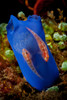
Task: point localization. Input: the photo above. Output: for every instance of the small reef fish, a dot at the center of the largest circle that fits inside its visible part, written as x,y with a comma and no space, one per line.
41,45
27,57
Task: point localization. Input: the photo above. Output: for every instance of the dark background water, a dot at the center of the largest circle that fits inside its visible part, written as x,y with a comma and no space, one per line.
9,7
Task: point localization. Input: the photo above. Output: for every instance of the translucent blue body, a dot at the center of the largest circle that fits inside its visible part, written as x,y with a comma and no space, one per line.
19,37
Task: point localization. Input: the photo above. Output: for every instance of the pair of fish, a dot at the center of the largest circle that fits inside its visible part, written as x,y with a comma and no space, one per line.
36,62
42,47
